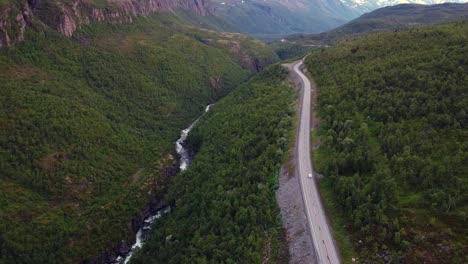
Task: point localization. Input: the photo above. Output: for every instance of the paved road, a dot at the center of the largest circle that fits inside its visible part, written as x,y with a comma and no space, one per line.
317,220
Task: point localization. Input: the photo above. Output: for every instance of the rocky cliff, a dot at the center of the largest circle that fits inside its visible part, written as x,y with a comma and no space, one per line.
67,16
13,22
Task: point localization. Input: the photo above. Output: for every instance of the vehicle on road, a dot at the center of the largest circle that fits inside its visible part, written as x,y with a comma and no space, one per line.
322,236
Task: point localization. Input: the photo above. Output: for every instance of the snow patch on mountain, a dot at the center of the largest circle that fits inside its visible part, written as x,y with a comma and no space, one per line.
363,6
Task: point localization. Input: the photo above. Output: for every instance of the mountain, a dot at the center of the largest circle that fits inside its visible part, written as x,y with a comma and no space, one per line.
92,99
364,6
276,18
388,18
273,19
67,16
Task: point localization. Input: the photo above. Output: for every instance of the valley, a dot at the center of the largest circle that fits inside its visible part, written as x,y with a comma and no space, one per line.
188,131
275,19
80,116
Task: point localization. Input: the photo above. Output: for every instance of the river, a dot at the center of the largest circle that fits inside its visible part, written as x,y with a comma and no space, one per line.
184,162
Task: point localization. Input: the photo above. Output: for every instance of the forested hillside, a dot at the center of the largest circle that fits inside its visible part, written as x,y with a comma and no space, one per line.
225,202
393,142
88,125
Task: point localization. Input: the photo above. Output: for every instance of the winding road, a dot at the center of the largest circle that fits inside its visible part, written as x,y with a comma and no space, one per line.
317,220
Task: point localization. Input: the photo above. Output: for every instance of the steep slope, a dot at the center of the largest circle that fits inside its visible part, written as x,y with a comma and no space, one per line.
89,122
393,143
276,18
225,202
66,16
388,18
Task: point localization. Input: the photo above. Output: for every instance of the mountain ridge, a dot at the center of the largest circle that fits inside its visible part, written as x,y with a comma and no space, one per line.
66,17
364,6
277,18
388,18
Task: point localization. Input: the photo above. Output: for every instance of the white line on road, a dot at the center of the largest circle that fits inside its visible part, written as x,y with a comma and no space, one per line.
317,221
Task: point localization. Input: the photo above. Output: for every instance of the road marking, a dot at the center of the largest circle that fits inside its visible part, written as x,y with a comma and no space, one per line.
310,193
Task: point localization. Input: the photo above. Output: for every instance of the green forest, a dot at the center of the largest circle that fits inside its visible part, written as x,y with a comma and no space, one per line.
88,125
226,210
393,145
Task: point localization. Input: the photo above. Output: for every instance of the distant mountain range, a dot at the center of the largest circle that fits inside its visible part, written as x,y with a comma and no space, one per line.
364,6
387,18
276,18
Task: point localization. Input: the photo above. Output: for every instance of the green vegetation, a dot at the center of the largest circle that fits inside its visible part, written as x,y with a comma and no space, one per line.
225,202
393,142
289,50
337,221
81,117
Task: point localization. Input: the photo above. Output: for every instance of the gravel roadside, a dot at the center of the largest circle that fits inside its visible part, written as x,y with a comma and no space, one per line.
301,248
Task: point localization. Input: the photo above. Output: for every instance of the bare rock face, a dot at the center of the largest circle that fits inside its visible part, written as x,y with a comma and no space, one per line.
4,37
13,22
70,15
